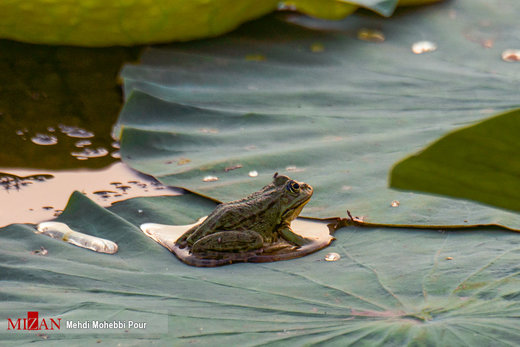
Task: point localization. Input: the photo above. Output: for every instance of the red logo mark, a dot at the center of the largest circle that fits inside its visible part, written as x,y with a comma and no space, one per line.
32,322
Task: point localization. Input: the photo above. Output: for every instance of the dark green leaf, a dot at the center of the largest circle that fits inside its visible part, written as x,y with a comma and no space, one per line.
480,162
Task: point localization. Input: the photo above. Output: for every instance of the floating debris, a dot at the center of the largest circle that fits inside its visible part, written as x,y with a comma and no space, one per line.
253,173
104,192
317,47
371,35
293,168
511,55
255,57
449,258
88,153
233,167
487,43
123,188
62,231
76,132
423,47
47,208
208,130
42,251
82,143
332,257
43,336
395,203
183,161
44,139
210,179
287,6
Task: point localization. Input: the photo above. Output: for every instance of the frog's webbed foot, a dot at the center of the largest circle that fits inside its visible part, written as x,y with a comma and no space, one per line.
286,232
228,241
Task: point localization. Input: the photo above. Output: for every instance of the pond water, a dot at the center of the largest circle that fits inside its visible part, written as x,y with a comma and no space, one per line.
57,108
32,196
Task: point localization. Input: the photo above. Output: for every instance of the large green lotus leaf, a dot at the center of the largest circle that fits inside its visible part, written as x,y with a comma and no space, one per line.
121,22
480,162
390,287
338,119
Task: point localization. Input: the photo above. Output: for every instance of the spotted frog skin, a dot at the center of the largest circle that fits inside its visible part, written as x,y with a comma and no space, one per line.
253,222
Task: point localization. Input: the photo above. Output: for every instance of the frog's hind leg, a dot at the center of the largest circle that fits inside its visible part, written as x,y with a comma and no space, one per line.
229,241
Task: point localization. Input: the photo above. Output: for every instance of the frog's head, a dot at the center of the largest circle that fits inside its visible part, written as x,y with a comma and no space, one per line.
293,196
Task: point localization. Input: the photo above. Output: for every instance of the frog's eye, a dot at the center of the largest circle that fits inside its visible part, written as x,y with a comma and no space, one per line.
293,187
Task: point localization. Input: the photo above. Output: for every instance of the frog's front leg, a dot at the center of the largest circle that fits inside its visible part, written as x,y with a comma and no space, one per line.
229,241
183,240
286,232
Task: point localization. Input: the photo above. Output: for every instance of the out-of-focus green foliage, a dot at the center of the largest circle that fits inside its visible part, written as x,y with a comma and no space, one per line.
481,162
130,22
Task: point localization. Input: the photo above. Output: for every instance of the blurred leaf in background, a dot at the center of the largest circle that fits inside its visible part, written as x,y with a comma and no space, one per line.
120,22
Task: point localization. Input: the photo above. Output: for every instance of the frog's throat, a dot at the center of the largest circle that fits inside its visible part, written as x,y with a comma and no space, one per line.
292,213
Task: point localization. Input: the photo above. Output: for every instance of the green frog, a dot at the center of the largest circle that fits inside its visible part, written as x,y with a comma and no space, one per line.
252,223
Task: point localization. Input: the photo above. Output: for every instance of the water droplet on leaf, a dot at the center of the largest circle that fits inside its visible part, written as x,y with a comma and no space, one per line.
210,179
332,257
61,231
511,55
423,47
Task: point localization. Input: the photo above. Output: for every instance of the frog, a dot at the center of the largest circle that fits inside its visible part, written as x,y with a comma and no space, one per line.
253,223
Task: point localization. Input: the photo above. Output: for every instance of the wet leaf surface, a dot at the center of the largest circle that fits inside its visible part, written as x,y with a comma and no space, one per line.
338,118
